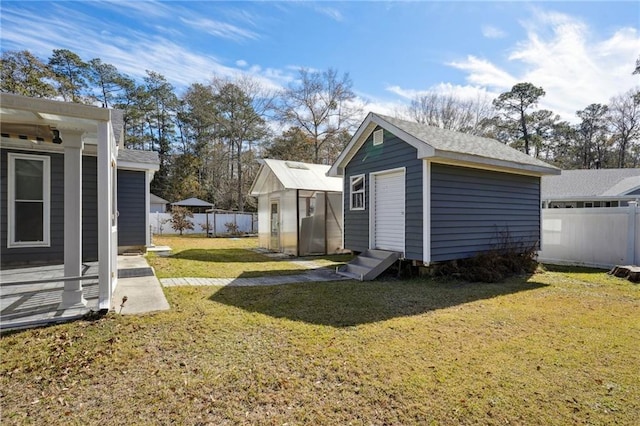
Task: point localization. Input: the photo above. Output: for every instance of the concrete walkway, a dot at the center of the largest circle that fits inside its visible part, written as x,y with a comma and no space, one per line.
315,273
140,286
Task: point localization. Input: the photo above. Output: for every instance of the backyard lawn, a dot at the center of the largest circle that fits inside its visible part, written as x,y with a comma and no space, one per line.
558,347
200,257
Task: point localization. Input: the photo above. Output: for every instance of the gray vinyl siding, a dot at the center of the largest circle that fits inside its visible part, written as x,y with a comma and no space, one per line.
54,254
393,153
131,208
470,207
89,208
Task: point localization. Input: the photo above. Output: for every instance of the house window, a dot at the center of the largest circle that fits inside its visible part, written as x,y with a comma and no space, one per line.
28,200
357,192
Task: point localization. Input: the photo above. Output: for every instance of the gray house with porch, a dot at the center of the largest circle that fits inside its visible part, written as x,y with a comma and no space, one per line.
429,195
62,178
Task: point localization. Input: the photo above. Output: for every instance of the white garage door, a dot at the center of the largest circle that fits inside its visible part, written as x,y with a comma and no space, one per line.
388,223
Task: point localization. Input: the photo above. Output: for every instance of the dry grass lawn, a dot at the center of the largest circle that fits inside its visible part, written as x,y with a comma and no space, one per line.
559,347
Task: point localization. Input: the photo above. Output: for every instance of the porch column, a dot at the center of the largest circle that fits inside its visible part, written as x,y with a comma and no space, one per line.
72,295
107,216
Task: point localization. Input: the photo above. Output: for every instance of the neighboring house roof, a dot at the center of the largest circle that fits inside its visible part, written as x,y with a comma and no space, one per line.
295,175
138,158
444,146
590,184
192,202
154,199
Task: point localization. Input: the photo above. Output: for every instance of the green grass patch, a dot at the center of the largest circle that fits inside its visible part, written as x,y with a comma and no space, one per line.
202,257
557,347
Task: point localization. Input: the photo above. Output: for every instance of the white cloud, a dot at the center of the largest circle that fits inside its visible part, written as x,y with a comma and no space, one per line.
131,51
331,12
241,63
481,72
489,31
220,29
562,55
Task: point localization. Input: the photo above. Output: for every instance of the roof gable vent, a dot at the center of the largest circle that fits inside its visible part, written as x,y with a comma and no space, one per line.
378,137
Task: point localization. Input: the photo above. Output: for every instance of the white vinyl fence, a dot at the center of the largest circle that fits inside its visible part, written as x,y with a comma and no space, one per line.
598,237
220,223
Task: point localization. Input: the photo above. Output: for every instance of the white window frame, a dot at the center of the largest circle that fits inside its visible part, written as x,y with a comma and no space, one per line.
11,201
352,192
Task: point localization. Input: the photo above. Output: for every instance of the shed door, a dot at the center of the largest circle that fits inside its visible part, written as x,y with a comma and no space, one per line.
388,212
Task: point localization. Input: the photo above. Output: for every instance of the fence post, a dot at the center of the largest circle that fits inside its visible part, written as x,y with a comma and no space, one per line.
631,233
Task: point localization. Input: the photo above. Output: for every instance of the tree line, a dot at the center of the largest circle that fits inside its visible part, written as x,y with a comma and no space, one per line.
210,137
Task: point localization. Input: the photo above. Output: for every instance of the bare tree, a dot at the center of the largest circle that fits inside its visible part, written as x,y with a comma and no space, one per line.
624,122
321,104
450,112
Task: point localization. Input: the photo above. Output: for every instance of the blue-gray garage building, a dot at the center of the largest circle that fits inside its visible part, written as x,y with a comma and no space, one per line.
433,195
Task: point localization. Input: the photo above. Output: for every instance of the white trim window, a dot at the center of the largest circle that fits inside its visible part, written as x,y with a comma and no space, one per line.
356,188
28,200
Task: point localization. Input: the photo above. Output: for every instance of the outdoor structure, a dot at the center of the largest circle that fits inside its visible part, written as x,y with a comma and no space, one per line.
596,237
135,172
581,207
58,187
591,188
434,195
195,205
299,208
158,204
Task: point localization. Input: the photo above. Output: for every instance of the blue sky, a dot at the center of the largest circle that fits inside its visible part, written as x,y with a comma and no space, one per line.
579,52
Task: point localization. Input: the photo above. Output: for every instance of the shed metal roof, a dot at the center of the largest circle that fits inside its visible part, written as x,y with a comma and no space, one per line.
591,183
296,175
446,146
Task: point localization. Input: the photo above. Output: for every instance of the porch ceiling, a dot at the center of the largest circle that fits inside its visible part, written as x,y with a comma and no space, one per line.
31,117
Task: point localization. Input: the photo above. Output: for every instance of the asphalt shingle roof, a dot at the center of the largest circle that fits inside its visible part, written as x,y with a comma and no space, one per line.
463,143
154,199
138,156
589,183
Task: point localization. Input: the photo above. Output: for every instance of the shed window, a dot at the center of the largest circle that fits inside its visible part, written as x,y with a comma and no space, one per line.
357,192
28,200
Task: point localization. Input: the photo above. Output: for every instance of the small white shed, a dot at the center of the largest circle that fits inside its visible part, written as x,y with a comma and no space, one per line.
157,204
299,208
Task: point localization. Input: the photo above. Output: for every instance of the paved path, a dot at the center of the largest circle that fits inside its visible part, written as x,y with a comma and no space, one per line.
316,273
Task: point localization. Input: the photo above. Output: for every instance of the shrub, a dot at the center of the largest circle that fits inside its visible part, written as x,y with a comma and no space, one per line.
180,219
232,228
507,259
